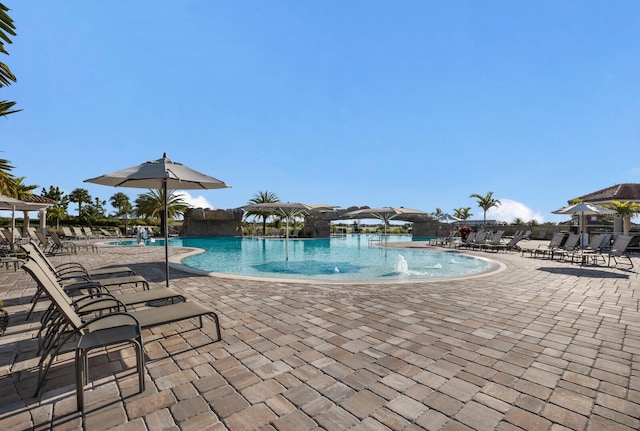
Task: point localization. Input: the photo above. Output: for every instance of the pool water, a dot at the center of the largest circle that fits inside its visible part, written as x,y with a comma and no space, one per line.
348,258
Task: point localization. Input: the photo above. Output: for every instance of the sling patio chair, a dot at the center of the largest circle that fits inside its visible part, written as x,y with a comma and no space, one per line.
496,239
445,240
45,243
598,244
619,250
467,241
510,245
80,279
79,234
60,245
556,241
567,249
104,329
107,330
76,269
478,241
97,298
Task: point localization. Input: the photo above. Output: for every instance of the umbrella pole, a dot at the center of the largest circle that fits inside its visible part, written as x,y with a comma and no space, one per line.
166,233
286,240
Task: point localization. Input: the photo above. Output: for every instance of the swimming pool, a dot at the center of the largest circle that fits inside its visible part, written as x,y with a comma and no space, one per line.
348,258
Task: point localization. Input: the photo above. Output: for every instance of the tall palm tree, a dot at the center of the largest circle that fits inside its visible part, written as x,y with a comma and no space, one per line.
486,202
151,205
626,210
80,196
264,197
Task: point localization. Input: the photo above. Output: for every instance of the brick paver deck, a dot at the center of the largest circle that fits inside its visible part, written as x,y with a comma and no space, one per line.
542,345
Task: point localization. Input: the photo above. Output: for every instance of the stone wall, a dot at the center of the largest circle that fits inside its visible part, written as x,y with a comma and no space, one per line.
208,222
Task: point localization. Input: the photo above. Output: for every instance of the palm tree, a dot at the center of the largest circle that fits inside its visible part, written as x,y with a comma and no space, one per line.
437,213
7,182
462,213
264,197
80,196
626,210
486,202
121,202
7,28
151,205
56,213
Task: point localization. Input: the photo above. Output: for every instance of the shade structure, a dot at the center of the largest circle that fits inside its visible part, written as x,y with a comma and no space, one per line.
162,174
447,218
287,210
582,209
385,214
12,204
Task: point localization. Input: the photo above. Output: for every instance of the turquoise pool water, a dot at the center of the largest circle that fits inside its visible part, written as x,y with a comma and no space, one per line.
348,258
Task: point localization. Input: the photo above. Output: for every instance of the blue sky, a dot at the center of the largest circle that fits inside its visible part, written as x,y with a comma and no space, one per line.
379,103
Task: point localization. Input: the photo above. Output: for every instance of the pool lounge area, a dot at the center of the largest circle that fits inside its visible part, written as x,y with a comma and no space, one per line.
542,345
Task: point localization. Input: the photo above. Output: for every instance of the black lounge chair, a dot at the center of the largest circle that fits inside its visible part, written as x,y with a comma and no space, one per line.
108,329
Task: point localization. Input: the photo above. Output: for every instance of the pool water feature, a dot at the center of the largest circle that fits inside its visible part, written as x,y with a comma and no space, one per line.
348,258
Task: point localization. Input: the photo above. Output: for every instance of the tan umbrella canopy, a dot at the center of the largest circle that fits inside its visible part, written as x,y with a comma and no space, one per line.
162,174
287,210
582,209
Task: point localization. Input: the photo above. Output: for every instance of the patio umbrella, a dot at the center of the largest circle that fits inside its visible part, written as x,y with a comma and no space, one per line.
162,174
287,210
582,209
126,218
385,214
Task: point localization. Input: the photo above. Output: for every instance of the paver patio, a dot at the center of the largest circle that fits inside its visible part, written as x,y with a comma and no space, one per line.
542,345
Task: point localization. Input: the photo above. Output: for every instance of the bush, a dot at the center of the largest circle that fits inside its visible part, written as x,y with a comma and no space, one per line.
465,231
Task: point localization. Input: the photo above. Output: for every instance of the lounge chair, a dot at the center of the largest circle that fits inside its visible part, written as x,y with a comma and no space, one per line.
598,244
78,232
126,299
70,270
60,245
479,240
75,278
510,245
14,236
109,329
89,233
496,240
446,240
619,249
467,241
45,243
567,249
105,233
543,249
66,231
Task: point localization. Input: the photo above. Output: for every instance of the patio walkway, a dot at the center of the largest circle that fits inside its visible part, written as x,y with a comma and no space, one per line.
542,345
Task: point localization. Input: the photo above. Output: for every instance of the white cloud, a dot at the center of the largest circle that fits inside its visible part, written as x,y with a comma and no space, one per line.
195,201
508,210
